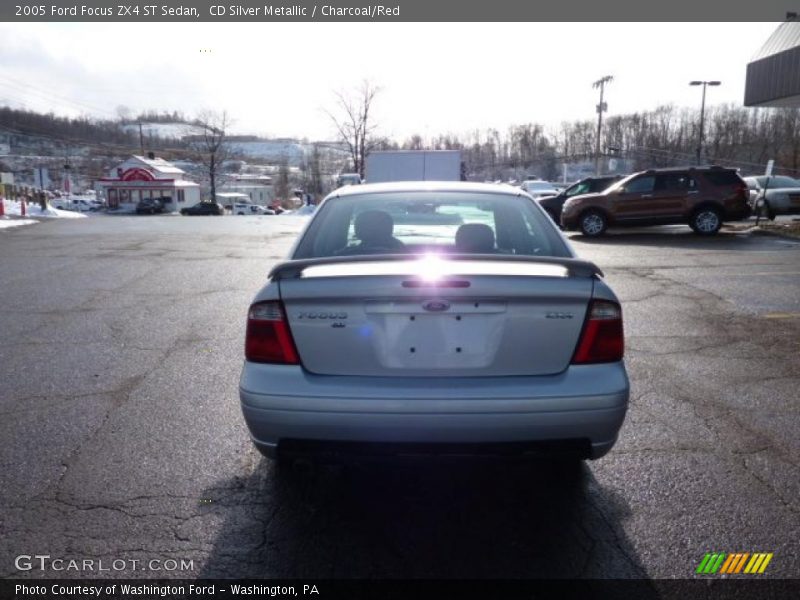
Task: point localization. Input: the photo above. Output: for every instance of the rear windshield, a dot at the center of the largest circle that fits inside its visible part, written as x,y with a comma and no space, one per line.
423,222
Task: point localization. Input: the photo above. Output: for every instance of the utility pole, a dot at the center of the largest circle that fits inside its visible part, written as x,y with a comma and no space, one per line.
601,108
141,139
67,182
702,116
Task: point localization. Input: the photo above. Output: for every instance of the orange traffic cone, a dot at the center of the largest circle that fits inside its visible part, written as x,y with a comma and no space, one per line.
22,209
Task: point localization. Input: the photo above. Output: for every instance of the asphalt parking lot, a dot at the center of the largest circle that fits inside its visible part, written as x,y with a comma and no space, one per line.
122,436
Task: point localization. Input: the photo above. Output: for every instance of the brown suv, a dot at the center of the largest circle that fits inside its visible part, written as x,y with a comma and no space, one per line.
702,197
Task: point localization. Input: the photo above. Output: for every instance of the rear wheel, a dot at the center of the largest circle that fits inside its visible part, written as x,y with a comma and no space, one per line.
593,223
706,221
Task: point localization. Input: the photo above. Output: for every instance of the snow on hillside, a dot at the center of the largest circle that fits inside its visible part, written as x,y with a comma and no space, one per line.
272,150
163,130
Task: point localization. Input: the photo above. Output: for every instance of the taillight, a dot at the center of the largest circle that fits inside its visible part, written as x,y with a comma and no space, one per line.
268,338
744,190
602,339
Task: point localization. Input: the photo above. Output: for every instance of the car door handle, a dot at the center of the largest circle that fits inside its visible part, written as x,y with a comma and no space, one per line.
693,192
647,195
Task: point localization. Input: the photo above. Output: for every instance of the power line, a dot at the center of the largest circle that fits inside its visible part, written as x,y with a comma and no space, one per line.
49,95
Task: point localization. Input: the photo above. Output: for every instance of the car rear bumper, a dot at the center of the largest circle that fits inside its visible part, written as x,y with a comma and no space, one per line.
287,408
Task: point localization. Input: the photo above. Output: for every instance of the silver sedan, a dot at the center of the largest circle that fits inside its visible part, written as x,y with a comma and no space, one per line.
433,318
774,195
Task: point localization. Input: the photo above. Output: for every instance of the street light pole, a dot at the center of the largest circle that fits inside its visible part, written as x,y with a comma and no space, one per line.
601,108
702,115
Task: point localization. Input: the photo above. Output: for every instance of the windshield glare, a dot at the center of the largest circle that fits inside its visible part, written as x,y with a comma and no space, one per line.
617,185
425,222
582,187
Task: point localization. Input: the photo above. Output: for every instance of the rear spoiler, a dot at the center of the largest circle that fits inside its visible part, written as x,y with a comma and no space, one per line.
292,269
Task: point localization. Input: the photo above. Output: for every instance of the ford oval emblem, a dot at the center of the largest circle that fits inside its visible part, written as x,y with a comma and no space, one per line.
436,305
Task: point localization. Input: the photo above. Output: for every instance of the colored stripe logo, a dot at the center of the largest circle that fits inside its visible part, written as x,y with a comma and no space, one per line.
735,563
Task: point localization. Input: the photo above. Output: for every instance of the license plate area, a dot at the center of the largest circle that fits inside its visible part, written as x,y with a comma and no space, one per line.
463,334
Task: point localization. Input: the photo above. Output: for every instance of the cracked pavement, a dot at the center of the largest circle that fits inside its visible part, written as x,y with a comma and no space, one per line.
120,353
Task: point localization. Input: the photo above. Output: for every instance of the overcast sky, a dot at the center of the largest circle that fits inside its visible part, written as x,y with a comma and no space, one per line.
277,79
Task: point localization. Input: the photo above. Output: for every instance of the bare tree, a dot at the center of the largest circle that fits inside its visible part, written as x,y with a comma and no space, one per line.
415,142
282,184
123,113
314,185
208,142
354,124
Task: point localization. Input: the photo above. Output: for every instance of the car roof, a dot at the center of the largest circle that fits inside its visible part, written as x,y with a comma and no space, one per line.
704,169
540,183
427,186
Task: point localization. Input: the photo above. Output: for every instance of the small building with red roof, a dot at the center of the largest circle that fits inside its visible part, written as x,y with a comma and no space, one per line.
142,177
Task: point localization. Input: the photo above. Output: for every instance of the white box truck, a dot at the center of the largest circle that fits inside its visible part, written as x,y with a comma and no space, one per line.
413,165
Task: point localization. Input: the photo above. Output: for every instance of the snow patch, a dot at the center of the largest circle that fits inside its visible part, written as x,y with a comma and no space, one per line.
7,223
13,208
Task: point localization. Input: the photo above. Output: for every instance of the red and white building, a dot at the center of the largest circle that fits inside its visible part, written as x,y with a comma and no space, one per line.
148,177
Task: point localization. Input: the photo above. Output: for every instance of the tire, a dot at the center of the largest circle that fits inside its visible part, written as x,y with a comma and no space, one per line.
706,221
768,212
593,223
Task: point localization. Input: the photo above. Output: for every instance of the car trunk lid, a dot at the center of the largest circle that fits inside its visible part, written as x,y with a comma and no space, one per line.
432,317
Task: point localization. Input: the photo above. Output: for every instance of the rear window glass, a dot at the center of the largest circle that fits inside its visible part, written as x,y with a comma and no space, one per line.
423,222
674,182
640,185
723,177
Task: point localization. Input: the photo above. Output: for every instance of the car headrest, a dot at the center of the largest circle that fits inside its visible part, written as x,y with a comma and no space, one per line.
374,226
475,238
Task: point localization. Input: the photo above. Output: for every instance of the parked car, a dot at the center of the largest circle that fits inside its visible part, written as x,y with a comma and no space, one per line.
538,188
76,204
149,206
589,185
774,195
702,197
251,209
204,208
343,179
483,335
